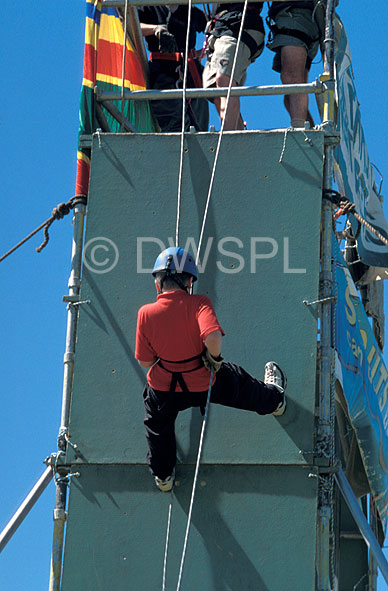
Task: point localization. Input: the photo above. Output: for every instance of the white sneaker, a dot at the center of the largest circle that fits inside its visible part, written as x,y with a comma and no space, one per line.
165,485
275,376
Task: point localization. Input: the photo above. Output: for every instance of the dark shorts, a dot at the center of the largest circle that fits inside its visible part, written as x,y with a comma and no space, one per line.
295,27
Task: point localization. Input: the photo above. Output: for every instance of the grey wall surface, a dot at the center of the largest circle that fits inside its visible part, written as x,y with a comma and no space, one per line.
254,517
253,528
263,206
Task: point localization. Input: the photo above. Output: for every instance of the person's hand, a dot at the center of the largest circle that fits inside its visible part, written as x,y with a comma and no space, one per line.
211,362
167,43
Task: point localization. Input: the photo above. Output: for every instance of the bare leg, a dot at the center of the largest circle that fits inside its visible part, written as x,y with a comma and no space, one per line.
309,117
294,72
233,119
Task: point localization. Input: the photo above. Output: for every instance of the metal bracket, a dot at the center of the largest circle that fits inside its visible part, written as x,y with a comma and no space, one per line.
65,478
54,459
332,136
321,301
75,300
81,303
71,299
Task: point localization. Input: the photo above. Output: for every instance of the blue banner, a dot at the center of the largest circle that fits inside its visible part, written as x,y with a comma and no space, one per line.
365,384
354,171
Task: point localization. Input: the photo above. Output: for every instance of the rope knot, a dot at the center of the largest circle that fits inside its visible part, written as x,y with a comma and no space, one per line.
60,211
347,206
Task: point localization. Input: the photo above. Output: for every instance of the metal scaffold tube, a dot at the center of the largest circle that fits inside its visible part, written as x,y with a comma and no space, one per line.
25,507
325,434
71,334
120,3
72,316
315,87
363,525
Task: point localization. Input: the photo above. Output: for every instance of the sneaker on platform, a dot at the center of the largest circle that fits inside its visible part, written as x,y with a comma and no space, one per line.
166,484
274,376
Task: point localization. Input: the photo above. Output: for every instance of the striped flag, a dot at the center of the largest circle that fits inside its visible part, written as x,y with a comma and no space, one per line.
103,63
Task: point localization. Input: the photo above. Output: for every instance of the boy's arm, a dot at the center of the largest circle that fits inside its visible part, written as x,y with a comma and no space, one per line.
213,343
146,364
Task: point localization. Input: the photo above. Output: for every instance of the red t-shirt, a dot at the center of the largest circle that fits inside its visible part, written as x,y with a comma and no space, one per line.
175,328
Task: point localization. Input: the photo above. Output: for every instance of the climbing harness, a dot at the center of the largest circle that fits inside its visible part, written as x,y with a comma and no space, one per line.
58,213
177,377
228,21
304,37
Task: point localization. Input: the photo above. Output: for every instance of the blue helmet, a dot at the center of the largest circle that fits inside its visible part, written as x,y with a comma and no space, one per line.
175,260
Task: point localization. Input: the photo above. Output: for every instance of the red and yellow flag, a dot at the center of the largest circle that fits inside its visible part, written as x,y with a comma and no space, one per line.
104,45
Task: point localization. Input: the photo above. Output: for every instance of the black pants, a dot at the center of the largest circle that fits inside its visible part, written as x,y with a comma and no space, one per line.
163,76
233,387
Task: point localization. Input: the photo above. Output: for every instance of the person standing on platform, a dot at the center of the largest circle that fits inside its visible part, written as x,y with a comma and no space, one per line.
164,28
178,338
222,34
297,29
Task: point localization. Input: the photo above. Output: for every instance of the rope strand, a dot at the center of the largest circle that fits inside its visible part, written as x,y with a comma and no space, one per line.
195,480
167,542
180,175
346,207
58,213
221,132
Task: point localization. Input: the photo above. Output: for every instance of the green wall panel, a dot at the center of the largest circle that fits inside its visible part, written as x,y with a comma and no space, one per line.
353,553
253,528
259,301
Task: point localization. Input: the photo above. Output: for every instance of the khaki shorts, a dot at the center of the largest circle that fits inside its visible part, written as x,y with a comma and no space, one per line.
220,60
300,20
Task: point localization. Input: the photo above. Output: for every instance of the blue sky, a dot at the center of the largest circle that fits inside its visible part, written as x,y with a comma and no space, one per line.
41,64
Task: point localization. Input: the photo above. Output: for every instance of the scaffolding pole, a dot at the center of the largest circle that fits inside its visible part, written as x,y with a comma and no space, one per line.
121,3
72,319
315,87
325,435
362,523
25,507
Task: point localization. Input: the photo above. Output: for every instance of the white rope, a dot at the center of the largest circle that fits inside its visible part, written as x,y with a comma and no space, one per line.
204,422
124,56
166,547
178,212
195,480
221,132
